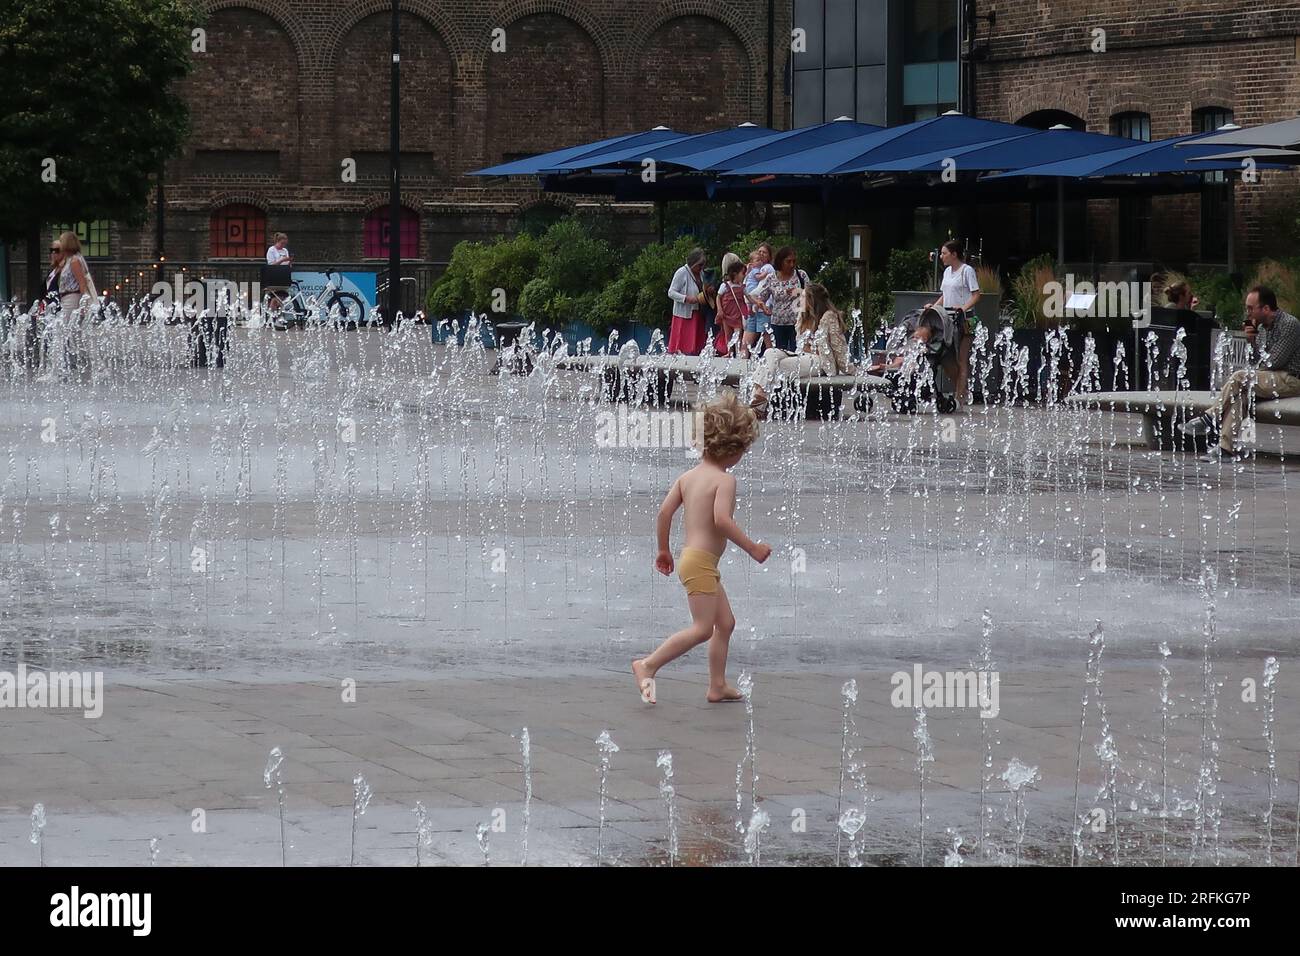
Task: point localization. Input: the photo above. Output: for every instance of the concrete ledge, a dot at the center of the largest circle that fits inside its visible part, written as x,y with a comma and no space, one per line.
692,368
1282,411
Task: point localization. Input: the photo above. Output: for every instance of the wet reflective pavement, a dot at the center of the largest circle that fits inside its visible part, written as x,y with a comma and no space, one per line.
232,548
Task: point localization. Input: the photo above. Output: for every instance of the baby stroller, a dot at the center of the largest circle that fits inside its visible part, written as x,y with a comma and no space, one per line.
901,385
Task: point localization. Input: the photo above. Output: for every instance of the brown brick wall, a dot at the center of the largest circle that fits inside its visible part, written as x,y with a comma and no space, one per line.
1162,58
545,90
693,77
573,70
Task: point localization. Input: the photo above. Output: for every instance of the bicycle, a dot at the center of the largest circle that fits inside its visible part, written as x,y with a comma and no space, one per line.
300,307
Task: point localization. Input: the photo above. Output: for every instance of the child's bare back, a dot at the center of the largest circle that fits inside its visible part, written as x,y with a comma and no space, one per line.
702,489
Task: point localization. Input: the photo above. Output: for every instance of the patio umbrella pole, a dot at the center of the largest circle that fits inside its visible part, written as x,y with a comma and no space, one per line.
1232,224
1060,222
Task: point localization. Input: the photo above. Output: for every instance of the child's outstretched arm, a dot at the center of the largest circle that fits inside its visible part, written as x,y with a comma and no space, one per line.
724,506
664,524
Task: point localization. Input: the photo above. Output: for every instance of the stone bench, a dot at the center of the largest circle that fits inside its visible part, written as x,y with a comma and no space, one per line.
1160,410
625,376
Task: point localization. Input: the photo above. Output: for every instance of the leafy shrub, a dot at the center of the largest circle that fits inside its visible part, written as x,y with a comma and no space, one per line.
905,270
535,300
837,276
452,293
1029,294
562,270
506,264
1218,292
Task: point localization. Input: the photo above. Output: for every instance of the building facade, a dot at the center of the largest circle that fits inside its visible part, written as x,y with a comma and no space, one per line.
1146,71
289,106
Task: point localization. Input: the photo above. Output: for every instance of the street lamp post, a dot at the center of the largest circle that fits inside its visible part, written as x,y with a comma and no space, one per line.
395,183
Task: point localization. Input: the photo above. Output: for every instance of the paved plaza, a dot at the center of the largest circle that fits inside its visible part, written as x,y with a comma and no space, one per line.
368,552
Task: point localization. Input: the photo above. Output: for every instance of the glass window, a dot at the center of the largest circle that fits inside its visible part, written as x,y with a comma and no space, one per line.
841,34
806,102
237,231
377,234
873,32
808,17
929,31
93,235
1132,126
929,58
1134,211
1216,194
840,89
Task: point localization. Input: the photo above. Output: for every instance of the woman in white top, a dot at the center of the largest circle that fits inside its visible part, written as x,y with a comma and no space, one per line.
277,254
75,285
959,290
74,277
688,334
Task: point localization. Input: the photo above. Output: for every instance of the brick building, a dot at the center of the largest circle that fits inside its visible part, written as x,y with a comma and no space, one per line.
1168,68
287,90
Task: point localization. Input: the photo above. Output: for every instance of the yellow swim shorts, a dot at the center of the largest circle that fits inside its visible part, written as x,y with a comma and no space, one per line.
698,570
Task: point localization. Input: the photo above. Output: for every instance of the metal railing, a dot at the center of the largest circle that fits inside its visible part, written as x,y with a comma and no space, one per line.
126,280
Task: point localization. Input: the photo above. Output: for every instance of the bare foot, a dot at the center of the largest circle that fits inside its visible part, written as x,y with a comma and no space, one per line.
645,684
721,696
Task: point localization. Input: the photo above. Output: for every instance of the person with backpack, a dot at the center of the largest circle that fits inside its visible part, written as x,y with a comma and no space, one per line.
733,307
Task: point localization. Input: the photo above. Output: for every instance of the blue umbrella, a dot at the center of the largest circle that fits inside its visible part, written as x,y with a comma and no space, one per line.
1139,159
777,145
858,154
532,165
1029,146
662,151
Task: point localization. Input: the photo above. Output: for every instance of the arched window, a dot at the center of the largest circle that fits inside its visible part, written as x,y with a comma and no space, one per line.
1134,211
1132,126
1046,119
1217,191
237,231
376,238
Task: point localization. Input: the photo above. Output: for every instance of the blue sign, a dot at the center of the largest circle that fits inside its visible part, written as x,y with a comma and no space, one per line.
360,284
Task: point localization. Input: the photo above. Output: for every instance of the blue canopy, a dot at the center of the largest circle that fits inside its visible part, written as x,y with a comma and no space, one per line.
1140,159
776,145
662,151
1029,146
860,153
533,165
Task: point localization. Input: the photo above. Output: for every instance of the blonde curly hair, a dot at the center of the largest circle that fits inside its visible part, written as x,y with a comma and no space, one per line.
729,426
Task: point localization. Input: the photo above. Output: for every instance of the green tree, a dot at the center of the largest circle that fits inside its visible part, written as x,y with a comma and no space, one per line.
92,111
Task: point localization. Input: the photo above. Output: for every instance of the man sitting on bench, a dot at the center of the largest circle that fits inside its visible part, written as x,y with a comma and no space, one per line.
1278,375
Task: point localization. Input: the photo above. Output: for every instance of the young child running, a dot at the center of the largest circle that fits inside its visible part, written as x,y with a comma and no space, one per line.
709,493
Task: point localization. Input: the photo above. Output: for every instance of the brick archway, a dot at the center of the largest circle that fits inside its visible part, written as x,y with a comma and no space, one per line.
285,17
